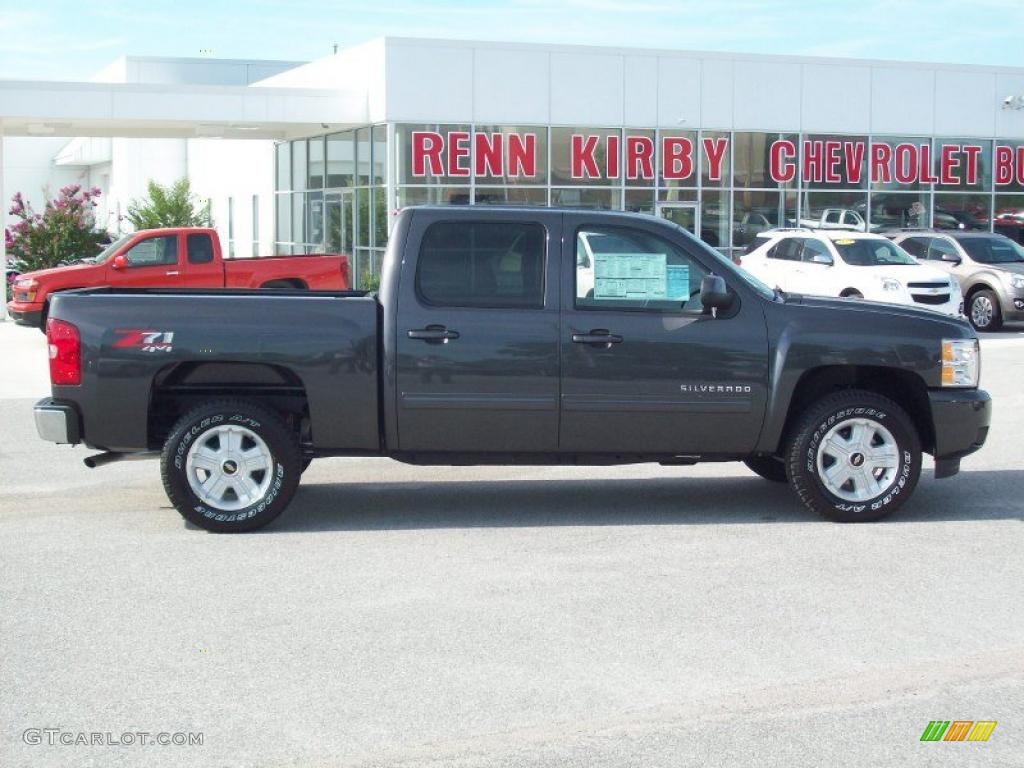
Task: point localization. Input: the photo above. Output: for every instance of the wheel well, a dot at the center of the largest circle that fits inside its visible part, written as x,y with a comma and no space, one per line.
975,288
847,292
905,388
287,282
180,387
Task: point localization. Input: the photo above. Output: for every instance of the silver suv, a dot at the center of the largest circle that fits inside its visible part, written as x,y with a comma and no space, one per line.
989,267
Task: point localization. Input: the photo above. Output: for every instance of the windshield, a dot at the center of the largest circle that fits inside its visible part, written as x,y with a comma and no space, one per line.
107,252
993,250
872,253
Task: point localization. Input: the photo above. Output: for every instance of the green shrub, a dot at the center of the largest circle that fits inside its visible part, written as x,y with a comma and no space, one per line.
170,206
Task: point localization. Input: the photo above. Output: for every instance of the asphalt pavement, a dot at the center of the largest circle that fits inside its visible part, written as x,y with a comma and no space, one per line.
401,616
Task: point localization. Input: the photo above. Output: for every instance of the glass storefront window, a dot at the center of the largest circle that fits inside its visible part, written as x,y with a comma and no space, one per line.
298,217
1009,218
432,195
510,154
639,201
763,160
299,165
834,210
283,204
586,197
283,151
892,210
363,158
756,211
639,158
714,219
316,163
715,159
677,159
1008,166
831,161
954,211
895,162
511,195
961,165
315,219
380,154
341,155
586,156
380,217
429,153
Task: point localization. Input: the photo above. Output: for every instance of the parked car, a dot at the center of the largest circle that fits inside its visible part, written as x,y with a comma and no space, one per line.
944,219
483,347
747,225
835,218
184,257
852,265
989,268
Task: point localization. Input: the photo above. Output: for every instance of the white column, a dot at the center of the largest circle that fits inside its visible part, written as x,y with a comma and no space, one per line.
3,220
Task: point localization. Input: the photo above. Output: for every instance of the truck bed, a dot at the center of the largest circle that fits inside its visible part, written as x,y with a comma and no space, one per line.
329,340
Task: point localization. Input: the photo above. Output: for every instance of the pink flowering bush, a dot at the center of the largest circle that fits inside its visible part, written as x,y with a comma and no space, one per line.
64,231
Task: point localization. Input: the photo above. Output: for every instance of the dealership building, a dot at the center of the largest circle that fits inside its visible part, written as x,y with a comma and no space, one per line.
726,145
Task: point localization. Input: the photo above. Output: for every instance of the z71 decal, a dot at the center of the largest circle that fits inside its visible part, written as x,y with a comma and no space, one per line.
145,341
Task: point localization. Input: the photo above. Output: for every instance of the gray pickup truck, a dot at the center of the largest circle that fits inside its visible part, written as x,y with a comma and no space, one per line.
516,336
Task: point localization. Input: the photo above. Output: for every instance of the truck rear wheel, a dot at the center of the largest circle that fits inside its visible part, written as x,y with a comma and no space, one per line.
854,456
230,466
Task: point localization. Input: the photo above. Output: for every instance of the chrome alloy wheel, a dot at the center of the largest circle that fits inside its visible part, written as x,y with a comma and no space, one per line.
982,311
858,459
229,467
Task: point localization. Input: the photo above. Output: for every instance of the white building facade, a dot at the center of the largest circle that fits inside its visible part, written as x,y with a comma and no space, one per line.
724,144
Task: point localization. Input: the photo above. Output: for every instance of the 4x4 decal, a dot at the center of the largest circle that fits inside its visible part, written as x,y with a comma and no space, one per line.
145,340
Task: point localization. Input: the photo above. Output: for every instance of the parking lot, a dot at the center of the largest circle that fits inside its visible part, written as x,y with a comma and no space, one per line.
637,615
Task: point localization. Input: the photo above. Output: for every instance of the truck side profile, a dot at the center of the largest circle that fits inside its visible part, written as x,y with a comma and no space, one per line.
527,336
186,257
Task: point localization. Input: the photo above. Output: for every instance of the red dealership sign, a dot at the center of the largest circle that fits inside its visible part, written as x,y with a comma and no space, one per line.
828,161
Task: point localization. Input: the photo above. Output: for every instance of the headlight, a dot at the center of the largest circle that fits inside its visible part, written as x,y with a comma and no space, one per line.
961,363
27,287
1017,281
891,285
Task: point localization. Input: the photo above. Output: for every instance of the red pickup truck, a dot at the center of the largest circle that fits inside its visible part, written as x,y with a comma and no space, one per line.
183,257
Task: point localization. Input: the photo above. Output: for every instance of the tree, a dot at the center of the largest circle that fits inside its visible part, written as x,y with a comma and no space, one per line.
170,206
65,230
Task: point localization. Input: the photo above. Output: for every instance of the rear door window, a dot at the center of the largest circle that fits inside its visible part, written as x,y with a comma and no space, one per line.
200,249
482,264
786,250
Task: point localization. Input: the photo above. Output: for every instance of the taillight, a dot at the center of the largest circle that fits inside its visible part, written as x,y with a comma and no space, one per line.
65,353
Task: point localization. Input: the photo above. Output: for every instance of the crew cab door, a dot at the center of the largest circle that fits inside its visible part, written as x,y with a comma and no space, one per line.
202,267
153,261
644,370
477,334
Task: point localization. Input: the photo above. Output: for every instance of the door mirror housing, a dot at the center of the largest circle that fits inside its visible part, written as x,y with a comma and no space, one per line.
951,258
120,261
714,295
822,258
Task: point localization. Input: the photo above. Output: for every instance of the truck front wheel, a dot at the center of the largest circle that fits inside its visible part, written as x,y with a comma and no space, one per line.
854,456
230,466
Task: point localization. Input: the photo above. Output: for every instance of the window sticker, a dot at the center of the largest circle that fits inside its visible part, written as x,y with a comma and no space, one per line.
845,242
678,279
638,276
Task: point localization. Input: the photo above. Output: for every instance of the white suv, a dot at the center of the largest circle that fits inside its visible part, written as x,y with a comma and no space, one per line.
850,264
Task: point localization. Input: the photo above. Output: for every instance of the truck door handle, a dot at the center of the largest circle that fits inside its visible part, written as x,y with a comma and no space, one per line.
172,273
598,337
437,334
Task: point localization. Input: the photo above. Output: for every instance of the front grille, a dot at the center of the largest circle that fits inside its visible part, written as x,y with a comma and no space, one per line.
921,298
928,285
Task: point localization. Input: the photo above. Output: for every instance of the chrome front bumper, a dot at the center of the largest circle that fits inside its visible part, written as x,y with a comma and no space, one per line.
57,422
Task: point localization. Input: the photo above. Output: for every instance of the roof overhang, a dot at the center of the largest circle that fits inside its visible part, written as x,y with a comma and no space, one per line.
45,108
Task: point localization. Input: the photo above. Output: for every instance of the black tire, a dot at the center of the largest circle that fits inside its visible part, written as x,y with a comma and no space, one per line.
285,463
818,421
306,461
768,467
983,311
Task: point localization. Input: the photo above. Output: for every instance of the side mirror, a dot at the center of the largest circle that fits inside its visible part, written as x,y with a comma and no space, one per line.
714,294
120,261
821,258
952,258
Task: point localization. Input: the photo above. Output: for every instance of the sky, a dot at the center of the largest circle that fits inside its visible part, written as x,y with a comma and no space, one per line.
65,40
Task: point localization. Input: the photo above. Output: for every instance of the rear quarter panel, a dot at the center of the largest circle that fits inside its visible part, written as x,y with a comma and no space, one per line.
319,273
328,341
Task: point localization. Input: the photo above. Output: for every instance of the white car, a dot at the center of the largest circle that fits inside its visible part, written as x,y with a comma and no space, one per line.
853,265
